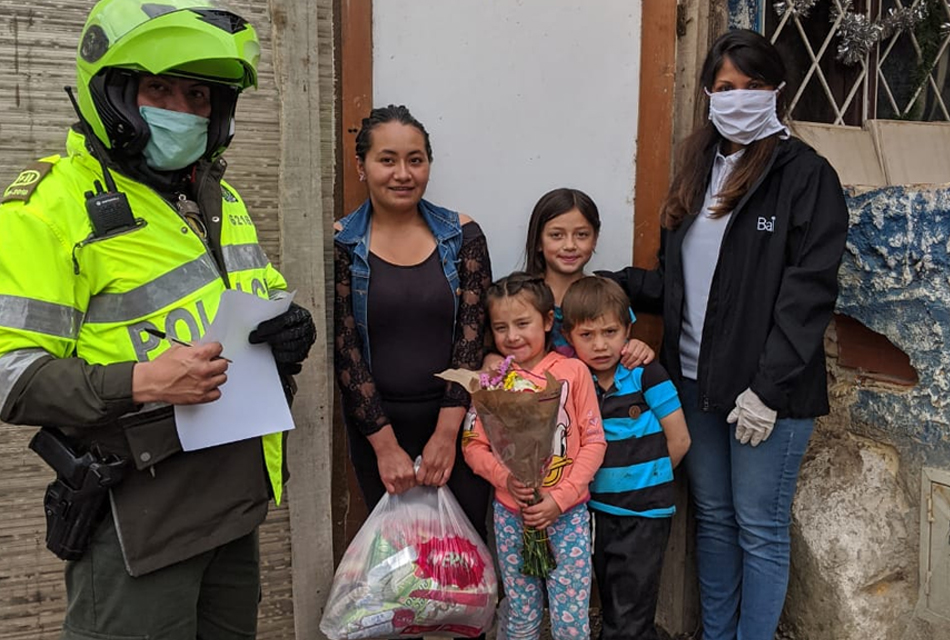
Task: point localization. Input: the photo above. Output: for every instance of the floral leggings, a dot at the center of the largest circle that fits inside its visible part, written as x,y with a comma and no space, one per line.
568,586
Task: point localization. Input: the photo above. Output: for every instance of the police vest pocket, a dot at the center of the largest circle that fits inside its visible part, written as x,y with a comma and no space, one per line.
152,436
140,223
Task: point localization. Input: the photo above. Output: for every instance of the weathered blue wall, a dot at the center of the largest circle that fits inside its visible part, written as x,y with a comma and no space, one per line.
745,14
895,278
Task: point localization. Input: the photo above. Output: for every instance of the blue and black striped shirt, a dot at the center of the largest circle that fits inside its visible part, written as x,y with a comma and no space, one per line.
636,477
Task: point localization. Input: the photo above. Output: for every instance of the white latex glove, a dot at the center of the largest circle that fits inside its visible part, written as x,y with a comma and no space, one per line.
754,421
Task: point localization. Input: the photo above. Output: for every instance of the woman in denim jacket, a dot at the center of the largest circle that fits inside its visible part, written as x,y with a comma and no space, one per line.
410,302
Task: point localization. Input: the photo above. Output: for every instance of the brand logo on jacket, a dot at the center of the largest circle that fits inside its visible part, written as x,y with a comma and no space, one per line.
765,224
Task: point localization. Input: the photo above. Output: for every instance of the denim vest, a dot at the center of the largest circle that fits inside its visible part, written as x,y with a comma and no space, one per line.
354,237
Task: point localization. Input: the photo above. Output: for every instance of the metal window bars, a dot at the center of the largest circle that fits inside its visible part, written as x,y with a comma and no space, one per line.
881,83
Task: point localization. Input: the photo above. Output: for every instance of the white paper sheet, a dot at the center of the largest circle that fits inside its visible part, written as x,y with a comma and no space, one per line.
252,401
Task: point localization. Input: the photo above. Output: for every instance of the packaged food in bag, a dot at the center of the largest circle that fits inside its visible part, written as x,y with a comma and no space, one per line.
416,567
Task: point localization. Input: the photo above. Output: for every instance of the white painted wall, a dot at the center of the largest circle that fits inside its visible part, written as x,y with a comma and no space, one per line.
519,97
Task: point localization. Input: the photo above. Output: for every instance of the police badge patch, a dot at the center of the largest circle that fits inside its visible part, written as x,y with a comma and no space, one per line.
25,183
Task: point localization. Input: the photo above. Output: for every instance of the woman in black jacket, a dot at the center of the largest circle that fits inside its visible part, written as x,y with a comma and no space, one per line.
754,227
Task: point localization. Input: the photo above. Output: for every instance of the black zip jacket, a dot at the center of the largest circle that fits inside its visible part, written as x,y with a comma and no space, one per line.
772,294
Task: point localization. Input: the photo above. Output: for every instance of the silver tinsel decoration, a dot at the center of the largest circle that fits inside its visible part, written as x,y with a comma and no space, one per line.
798,8
856,34
904,19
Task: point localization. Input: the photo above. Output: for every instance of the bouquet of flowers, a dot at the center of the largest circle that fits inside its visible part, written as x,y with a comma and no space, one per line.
520,418
416,567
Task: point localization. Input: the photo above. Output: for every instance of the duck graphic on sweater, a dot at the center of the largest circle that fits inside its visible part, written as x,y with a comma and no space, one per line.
559,458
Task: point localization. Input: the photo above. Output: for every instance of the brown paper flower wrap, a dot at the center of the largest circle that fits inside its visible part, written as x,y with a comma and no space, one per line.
520,429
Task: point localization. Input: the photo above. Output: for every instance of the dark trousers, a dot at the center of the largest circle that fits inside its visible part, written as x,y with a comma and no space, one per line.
628,557
212,596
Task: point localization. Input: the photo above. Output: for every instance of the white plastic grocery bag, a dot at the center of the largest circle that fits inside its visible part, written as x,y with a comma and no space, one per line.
416,567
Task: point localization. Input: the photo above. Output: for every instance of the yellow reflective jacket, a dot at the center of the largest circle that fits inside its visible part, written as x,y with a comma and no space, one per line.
73,314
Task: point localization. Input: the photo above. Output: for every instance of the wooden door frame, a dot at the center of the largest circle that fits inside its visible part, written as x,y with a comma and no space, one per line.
356,87
654,148
355,102
662,21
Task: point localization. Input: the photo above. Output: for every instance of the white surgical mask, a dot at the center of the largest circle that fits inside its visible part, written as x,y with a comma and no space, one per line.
745,115
177,138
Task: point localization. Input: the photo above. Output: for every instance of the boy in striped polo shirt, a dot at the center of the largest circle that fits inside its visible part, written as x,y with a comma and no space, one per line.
632,493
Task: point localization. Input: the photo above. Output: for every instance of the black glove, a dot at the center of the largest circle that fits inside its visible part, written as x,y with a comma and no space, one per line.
290,336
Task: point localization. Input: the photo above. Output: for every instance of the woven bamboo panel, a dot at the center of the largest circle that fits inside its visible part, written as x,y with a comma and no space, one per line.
32,596
37,49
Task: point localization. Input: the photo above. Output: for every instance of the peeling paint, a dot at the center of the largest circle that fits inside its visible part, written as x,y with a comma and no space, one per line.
745,14
894,280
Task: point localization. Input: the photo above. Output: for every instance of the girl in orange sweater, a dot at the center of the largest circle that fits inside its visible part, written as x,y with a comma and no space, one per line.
521,309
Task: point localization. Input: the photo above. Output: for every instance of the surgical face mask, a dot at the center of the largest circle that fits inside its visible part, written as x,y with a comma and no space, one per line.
177,138
745,115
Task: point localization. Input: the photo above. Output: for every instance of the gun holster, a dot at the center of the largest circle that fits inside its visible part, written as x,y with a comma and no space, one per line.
77,500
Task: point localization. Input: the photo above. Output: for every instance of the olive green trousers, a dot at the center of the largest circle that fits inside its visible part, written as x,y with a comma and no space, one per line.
212,596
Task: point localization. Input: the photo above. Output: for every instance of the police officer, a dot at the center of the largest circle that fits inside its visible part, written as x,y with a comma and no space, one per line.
132,236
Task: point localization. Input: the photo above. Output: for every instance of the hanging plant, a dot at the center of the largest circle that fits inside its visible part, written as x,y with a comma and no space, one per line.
929,35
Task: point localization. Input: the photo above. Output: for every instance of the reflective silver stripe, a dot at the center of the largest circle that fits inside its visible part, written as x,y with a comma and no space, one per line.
240,257
42,317
152,296
12,366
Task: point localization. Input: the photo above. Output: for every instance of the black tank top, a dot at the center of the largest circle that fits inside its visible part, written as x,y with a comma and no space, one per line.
410,317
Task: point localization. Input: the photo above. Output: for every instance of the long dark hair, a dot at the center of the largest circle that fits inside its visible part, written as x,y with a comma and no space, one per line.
756,57
382,115
551,205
